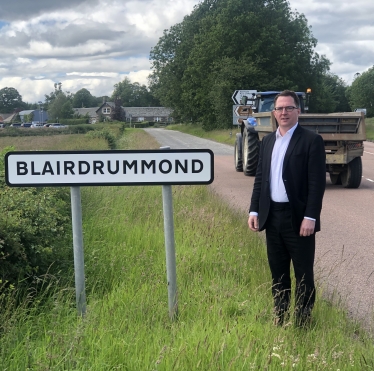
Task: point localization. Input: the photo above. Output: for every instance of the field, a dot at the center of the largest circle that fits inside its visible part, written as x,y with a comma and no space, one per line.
224,304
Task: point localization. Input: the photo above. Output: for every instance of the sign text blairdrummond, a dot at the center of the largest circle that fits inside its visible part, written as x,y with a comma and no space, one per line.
109,167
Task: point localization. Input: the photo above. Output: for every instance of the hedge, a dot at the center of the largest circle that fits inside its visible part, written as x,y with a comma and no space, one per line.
35,231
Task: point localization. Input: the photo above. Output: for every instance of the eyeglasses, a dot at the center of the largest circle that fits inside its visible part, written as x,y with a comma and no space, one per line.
288,109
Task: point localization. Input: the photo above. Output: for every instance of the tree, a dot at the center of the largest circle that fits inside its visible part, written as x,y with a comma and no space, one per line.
60,107
117,113
10,100
83,98
29,117
97,101
66,110
133,94
228,45
361,92
331,95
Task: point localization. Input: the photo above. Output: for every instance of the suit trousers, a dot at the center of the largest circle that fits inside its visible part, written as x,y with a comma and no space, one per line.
283,247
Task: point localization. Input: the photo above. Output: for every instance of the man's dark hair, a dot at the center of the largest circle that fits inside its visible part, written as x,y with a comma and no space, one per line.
288,93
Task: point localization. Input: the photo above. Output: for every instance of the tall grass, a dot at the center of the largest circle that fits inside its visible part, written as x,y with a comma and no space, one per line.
226,136
225,319
369,128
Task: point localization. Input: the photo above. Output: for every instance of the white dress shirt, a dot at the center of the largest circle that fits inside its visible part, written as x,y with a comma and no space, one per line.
277,189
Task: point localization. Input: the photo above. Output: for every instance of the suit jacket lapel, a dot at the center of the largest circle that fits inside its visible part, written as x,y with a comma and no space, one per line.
268,154
295,137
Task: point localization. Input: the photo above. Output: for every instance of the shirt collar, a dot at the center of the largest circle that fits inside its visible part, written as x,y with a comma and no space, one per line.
289,132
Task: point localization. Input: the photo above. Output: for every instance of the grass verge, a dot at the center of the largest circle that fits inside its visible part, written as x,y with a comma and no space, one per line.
227,136
370,128
225,319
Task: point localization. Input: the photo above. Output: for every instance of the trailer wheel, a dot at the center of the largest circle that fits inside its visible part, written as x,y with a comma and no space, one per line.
238,154
251,145
335,179
351,178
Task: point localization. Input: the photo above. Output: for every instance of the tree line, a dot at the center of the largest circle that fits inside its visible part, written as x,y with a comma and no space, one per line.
223,46
229,45
60,104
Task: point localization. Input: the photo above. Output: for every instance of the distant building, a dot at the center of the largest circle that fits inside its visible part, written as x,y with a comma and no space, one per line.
8,118
91,112
38,116
150,114
131,114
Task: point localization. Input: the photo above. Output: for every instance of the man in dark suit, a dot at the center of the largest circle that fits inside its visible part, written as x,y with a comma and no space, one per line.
286,202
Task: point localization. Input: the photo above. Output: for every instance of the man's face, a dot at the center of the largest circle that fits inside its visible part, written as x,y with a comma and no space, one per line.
286,120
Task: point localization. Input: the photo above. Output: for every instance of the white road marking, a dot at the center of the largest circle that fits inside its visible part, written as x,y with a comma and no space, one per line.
370,153
370,180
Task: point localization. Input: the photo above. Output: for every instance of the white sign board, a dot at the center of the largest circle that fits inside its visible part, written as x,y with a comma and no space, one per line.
90,168
238,94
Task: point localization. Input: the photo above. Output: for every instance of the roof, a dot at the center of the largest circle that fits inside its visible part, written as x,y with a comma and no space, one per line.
147,111
10,118
84,111
133,111
4,116
26,112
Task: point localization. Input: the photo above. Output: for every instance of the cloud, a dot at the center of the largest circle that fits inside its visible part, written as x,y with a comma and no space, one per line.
345,33
96,43
94,49
25,9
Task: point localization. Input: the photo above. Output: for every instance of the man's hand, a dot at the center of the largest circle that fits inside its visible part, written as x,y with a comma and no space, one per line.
253,223
307,227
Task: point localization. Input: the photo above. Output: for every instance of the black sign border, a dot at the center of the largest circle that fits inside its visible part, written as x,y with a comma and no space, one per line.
8,154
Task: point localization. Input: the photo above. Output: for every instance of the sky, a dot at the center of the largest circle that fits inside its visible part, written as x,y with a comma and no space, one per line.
95,44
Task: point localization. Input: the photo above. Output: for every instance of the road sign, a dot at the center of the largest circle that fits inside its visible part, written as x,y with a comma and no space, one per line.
238,94
93,168
100,168
240,112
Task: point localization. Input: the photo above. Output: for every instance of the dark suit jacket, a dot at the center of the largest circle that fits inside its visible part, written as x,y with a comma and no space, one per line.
304,177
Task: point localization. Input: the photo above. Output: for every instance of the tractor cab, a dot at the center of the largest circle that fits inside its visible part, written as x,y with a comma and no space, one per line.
264,101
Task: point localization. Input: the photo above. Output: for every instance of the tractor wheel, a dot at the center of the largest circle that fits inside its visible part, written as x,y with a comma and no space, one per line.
251,146
238,154
335,179
351,177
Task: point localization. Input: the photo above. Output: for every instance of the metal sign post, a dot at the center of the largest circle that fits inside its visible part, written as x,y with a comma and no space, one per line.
171,266
104,168
76,214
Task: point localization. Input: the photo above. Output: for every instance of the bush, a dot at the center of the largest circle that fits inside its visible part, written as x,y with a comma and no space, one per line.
140,125
80,129
105,134
76,121
35,230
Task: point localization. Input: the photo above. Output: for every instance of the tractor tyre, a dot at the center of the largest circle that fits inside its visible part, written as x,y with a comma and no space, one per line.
238,153
351,177
251,148
335,179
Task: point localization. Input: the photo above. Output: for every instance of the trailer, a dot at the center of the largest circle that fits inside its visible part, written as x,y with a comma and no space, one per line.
343,135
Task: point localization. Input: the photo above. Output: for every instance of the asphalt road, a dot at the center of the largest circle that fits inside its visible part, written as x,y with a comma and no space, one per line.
345,246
